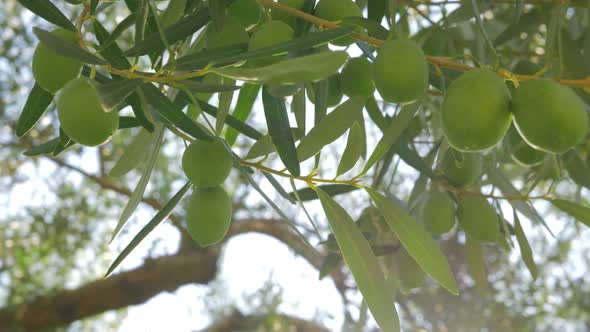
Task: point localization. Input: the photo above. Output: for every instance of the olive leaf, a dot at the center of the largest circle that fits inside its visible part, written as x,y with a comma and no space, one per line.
244,107
363,264
392,134
154,145
162,215
48,11
352,152
134,154
36,105
580,212
66,48
330,128
279,131
417,241
303,69
525,248
476,263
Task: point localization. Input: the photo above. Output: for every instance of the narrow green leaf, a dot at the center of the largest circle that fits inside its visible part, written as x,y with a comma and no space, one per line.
217,13
303,69
246,173
66,48
330,262
417,241
475,258
48,11
244,107
63,144
528,21
170,112
126,122
133,155
330,128
525,248
138,110
36,105
392,134
482,27
376,10
298,108
42,149
143,11
173,12
352,152
125,24
580,212
261,147
375,114
204,57
518,10
135,198
180,30
577,169
278,187
497,179
114,93
412,158
183,99
143,233
279,130
308,194
225,99
196,86
112,53
363,264
115,57
375,29
233,54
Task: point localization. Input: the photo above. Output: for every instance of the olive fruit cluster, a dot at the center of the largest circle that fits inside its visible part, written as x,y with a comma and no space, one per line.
209,209
399,73
81,114
477,112
476,216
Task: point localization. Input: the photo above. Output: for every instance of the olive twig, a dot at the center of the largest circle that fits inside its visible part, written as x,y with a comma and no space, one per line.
462,191
437,61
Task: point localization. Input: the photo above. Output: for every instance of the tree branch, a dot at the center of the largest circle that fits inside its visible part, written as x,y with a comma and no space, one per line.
239,322
121,290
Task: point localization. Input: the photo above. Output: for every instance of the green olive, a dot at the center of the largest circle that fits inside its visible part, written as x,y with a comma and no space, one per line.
268,34
357,77
521,152
82,116
206,164
334,90
475,111
208,215
51,70
286,17
461,169
336,10
437,212
478,218
232,33
549,116
400,71
438,43
249,12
